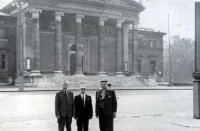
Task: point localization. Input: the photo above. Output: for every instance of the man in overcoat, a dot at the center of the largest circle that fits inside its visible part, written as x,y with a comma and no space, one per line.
83,109
106,107
64,107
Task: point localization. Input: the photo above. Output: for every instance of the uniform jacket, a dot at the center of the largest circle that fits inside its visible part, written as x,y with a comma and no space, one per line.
110,102
64,104
81,110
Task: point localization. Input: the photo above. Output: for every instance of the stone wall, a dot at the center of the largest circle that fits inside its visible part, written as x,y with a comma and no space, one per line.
8,45
150,48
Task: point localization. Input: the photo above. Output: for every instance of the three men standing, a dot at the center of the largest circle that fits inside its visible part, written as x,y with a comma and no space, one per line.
83,109
64,107
106,107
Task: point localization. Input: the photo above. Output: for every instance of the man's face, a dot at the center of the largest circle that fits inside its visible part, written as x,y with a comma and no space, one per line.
82,90
65,86
104,85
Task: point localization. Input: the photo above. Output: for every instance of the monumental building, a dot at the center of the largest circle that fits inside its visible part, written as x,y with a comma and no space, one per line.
78,38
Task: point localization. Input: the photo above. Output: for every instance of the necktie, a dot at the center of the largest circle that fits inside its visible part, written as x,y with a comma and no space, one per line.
83,101
66,96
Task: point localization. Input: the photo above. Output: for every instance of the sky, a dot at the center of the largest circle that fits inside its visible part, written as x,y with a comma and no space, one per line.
155,16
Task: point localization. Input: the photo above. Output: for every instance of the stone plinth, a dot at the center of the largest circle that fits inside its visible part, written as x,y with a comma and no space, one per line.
196,99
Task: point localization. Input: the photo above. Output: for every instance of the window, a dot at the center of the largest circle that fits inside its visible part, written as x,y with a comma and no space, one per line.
151,44
126,66
28,63
140,43
3,65
2,33
53,25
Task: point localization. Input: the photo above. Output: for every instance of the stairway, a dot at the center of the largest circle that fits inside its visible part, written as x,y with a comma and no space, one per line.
91,82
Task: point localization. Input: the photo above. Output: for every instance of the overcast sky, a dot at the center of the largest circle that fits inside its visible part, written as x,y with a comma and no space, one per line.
155,16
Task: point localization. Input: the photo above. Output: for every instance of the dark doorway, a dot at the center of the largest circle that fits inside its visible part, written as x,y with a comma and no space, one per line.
72,64
152,67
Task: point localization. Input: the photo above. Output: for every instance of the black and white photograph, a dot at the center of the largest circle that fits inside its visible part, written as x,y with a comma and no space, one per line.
99,65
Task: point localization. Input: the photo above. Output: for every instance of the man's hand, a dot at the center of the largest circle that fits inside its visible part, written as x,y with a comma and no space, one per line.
58,117
114,114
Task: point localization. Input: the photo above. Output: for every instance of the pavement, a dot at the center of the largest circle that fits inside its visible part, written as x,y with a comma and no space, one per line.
4,88
138,110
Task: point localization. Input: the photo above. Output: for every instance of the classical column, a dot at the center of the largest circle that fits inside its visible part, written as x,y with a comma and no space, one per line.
58,45
125,48
101,34
196,74
119,48
68,59
36,40
78,42
135,46
24,40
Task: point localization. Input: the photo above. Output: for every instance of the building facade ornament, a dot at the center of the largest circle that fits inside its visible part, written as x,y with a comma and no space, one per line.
35,13
79,18
58,16
102,21
119,23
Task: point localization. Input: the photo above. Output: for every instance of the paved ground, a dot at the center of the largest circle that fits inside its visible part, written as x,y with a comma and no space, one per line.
138,110
26,89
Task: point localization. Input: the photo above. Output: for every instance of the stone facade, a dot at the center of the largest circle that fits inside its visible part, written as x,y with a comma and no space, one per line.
7,47
149,53
88,37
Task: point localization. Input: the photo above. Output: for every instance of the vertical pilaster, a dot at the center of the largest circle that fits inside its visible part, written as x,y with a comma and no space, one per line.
119,48
24,40
68,59
36,40
101,47
196,74
78,42
125,48
58,45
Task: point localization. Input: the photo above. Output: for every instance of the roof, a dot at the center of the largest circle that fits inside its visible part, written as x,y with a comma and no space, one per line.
123,3
147,30
3,14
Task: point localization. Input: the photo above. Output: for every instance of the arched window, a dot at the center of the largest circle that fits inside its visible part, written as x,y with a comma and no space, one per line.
73,47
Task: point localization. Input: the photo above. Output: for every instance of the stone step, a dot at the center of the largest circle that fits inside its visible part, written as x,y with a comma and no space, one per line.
91,82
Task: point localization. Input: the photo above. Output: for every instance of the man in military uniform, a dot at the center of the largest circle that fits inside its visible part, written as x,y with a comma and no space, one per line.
64,107
106,107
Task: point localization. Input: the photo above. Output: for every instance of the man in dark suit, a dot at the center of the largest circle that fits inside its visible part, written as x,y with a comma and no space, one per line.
106,107
83,109
64,107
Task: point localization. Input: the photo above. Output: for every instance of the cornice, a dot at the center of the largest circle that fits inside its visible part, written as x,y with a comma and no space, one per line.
90,11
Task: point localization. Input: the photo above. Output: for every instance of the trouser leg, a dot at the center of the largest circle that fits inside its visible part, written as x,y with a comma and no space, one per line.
61,124
68,123
109,123
102,121
79,124
85,124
